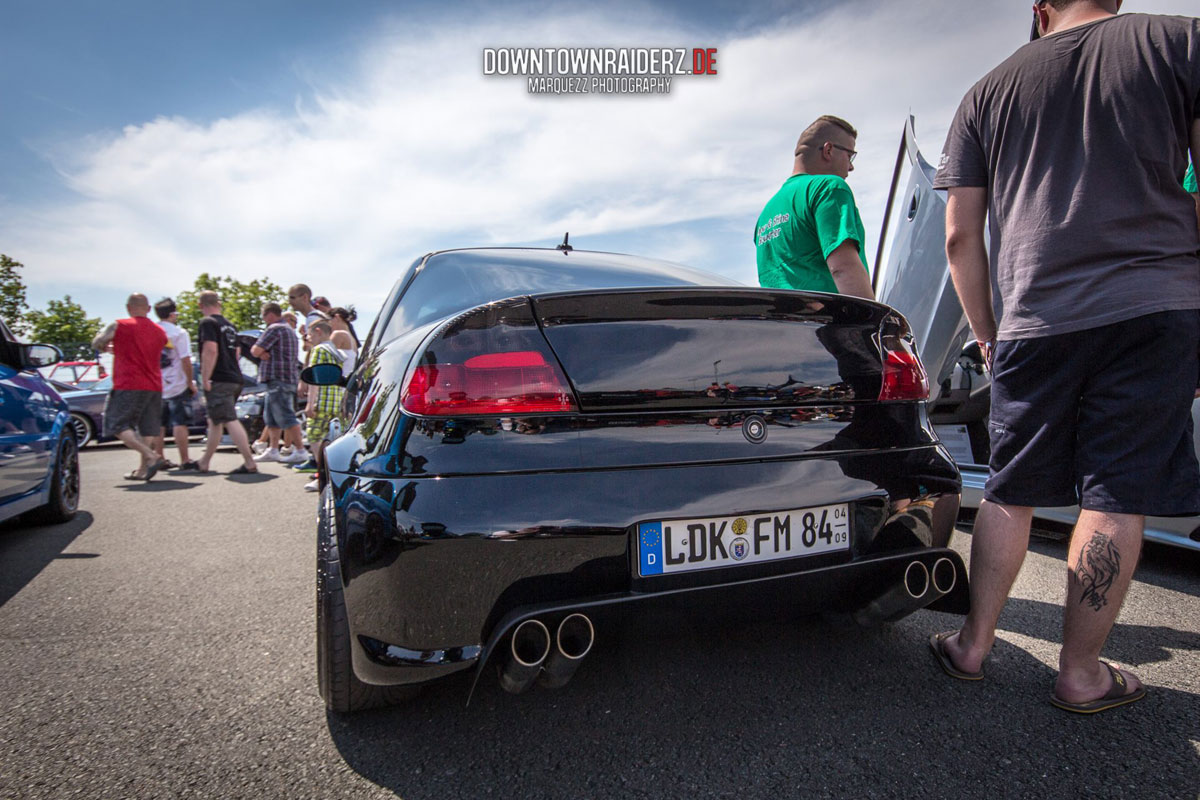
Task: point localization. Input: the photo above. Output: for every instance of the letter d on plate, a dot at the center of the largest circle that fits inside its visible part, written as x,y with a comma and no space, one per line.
650,548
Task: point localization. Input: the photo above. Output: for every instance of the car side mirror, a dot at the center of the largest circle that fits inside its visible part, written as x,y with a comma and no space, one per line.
34,356
322,375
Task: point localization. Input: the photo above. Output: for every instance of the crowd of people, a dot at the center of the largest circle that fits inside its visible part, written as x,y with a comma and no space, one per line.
155,383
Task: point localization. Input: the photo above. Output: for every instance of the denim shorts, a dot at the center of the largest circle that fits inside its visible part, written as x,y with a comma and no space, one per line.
1100,418
280,409
177,411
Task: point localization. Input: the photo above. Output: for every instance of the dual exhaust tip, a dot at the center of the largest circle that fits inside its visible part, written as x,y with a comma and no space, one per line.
920,586
534,656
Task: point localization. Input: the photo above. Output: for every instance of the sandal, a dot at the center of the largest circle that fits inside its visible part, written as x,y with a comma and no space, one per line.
1117,695
242,470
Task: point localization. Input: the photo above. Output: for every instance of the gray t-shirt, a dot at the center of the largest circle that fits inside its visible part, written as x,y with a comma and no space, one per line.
1081,139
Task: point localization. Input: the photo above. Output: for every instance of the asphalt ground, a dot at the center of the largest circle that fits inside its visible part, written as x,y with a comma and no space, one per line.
161,645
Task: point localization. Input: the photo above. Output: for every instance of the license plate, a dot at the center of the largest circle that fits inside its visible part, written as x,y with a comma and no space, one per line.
683,545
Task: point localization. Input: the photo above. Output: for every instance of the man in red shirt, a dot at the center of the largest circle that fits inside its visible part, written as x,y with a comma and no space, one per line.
134,406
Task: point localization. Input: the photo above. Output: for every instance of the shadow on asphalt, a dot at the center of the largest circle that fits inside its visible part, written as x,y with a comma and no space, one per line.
804,710
26,549
156,484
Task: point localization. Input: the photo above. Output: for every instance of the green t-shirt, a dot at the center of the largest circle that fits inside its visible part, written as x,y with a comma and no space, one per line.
1189,179
806,220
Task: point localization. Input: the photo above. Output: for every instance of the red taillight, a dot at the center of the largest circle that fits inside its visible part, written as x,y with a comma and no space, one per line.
903,376
521,382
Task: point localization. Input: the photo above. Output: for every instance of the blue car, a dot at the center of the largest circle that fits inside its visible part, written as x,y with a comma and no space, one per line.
39,460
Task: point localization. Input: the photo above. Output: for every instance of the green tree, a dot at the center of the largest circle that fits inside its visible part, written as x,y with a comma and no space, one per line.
12,293
66,324
241,302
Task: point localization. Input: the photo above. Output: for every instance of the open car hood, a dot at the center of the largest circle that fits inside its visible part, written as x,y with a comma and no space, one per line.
911,275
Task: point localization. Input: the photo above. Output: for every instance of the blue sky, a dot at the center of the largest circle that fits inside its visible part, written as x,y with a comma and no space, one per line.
331,143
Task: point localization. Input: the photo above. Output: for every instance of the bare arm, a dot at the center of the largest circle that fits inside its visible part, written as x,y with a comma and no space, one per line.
186,363
966,211
848,272
208,362
101,342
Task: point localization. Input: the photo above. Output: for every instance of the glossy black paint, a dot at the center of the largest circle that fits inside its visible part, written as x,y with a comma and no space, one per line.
452,530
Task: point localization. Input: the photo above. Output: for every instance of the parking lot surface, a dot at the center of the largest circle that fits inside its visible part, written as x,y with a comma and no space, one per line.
161,645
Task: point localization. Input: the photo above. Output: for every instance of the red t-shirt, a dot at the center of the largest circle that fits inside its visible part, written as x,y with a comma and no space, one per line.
137,351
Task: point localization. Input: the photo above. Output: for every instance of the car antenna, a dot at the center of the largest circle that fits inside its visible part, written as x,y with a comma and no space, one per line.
566,243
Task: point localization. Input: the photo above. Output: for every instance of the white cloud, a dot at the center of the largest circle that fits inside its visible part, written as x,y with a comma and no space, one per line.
418,150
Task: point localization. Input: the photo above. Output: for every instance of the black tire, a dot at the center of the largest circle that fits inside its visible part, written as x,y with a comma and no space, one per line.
64,485
84,428
342,691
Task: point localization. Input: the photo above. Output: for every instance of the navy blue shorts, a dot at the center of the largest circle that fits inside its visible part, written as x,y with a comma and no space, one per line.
1099,418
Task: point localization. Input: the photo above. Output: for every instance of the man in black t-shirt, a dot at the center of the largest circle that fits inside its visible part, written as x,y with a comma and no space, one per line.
1088,313
222,380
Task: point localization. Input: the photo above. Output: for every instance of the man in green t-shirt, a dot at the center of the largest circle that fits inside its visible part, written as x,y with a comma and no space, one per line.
810,235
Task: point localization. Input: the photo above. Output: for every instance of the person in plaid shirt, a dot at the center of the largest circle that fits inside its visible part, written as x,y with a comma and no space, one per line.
279,369
324,402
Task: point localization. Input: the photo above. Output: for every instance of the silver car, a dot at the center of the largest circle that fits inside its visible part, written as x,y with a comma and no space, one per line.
912,276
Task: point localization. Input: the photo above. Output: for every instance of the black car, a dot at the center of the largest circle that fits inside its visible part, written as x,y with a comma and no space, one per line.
540,444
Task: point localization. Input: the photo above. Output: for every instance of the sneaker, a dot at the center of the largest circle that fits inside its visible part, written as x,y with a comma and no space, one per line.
296,457
307,466
313,485
286,450
268,455
259,448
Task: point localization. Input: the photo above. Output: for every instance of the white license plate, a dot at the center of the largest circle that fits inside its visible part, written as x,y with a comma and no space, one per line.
683,545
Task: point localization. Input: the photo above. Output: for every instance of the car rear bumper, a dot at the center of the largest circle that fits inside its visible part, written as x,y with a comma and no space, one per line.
437,571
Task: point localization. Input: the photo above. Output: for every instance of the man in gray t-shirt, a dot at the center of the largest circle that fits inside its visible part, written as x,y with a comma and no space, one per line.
1073,150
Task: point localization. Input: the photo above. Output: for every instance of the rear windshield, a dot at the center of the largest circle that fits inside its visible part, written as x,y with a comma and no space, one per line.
458,280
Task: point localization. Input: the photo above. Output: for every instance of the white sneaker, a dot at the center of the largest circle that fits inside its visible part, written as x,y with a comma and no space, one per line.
285,449
259,448
268,455
298,456
312,485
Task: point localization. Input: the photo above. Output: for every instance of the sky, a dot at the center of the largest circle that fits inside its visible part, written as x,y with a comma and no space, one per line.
142,142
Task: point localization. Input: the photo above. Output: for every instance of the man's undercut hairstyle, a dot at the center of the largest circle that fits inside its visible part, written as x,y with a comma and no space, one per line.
138,300
822,130
323,326
164,308
300,289
209,299
272,308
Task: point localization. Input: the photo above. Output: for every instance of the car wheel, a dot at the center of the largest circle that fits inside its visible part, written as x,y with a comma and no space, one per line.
84,428
341,690
64,486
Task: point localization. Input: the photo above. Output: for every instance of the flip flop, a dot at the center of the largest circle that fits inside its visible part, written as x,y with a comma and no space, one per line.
190,466
150,470
133,476
1118,695
937,645
243,471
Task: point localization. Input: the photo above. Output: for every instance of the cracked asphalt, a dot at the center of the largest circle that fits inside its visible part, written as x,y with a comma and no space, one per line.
161,645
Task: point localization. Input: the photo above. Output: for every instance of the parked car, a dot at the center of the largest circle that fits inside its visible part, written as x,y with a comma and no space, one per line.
541,443
911,274
39,462
77,373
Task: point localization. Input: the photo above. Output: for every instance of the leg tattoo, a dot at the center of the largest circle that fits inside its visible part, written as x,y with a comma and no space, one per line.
1099,565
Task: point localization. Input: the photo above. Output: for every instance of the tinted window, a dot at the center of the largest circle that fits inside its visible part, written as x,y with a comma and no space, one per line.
455,281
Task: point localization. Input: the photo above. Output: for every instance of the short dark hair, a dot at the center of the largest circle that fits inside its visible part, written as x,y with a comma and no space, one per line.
272,308
164,308
322,325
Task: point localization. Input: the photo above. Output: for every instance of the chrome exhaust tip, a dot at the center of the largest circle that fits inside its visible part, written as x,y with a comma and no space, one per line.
573,641
945,576
527,651
916,579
